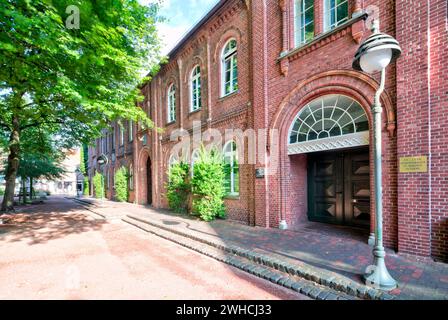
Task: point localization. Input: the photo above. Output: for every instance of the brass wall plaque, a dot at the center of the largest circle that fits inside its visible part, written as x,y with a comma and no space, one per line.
414,164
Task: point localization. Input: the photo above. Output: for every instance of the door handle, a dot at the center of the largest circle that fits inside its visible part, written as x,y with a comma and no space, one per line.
360,201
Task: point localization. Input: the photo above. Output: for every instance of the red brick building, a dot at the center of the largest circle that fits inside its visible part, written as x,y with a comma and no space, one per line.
285,66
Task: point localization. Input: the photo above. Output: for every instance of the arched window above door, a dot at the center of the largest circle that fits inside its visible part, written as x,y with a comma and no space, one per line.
327,123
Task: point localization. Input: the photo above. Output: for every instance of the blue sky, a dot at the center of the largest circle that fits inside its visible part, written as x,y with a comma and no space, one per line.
181,16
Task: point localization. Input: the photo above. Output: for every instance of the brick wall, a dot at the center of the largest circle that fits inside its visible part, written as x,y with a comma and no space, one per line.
276,80
439,123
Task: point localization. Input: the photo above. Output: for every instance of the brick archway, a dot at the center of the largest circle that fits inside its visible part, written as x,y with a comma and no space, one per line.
359,87
142,177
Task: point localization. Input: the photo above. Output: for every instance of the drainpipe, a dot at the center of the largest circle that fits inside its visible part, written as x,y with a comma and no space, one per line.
429,126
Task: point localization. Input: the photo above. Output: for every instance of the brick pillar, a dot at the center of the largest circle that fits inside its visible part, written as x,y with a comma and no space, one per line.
260,104
413,127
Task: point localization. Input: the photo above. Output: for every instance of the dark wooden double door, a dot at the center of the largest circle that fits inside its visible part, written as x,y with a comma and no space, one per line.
339,187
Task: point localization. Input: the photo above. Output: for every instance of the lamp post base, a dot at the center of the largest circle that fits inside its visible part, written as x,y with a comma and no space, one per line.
379,277
371,240
283,225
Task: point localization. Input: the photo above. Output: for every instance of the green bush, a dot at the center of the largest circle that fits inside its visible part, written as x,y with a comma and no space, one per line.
121,185
2,191
86,188
179,188
98,185
208,186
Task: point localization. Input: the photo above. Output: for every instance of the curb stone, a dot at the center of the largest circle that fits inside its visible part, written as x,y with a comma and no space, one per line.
301,269
264,272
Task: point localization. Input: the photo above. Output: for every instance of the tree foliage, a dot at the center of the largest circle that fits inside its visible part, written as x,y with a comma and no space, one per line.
98,186
208,185
82,164
86,187
71,81
179,187
121,185
41,156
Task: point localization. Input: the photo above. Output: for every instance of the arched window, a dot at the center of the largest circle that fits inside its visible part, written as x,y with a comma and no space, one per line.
194,158
229,69
330,122
171,104
172,161
231,169
195,93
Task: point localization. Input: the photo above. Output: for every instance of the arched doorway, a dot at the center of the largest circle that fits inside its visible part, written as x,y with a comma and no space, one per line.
149,181
328,147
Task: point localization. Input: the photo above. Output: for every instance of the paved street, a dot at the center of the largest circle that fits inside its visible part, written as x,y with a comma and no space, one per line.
323,250
61,251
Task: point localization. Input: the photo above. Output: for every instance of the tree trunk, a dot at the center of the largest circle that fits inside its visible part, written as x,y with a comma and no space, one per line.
12,166
31,189
24,190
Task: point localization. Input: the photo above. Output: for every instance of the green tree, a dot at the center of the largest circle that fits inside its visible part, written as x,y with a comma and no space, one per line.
98,186
179,187
72,81
86,187
208,185
41,156
82,164
121,185
37,166
85,153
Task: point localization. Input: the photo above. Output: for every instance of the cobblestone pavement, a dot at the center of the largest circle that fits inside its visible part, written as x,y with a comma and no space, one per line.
339,250
60,250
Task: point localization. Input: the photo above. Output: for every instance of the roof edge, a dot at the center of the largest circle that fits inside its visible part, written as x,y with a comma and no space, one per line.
191,32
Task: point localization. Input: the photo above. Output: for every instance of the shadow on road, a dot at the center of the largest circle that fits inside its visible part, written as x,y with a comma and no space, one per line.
43,223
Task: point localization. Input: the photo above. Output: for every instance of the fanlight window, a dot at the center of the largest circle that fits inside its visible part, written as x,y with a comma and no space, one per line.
173,160
330,122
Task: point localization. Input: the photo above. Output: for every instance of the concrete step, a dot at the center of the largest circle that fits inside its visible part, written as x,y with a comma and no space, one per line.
296,283
319,276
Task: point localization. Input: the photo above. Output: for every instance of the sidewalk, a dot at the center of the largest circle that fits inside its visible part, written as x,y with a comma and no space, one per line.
314,248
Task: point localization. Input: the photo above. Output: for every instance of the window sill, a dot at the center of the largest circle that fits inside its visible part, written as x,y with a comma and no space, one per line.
354,26
233,196
191,113
229,95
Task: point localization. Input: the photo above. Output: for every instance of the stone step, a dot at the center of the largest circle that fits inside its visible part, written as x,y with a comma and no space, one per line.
296,283
320,276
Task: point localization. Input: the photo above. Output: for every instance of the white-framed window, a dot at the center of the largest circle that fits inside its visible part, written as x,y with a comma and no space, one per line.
335,13
195,90
131,177
229,69
231,169
130,131
171,104
104,140
112,139
121,131
194,158
303,21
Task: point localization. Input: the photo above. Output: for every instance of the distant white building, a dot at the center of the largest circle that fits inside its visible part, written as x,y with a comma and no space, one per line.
68,184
